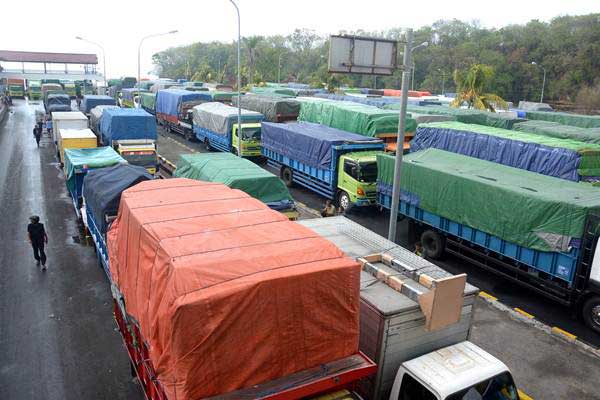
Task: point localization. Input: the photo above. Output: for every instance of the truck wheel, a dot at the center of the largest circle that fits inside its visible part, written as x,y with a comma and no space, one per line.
188,136
433,244
344,201
206,144
287,176
591,313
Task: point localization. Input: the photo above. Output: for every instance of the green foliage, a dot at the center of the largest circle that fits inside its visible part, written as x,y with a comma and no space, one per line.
567,46
471,86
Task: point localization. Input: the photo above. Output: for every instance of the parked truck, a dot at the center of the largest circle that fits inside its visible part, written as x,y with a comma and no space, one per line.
275,109
415,322
95,117
277,283
16,88
34,90
129,97
101,194
57,102
148,102
238,173
215,125
67,120
174,109
336,164
92,100
132,133
537,230
358,118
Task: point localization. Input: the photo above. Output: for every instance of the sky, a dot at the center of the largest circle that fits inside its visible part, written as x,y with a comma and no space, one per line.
41,25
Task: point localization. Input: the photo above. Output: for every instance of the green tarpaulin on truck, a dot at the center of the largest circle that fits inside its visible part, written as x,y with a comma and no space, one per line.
581,121
97,157
589,165
148,100
235,172
271,107
352,117
273,91
467,116
529,209
557,130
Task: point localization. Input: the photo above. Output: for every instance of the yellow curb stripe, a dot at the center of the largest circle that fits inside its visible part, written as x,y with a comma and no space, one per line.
559,331
487,296
523,395
524,313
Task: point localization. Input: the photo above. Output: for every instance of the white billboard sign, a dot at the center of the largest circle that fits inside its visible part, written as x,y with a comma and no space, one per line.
362,55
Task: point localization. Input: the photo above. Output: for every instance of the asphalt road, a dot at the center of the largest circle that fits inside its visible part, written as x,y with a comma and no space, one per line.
510,294
57,335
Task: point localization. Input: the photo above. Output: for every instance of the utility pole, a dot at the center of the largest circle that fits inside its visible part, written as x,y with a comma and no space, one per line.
239,82
407,64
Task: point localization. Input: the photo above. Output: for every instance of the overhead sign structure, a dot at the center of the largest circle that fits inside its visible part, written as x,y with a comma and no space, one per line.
362,55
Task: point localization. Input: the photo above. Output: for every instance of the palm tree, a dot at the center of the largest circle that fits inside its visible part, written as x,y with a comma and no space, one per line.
470,87
251,45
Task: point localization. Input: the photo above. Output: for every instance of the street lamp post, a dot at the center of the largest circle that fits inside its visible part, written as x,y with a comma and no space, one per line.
103,58
279,68
408,65
424,44
239,81
543,81
139,56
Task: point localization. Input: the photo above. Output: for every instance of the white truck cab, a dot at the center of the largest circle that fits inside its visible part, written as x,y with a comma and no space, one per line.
462,371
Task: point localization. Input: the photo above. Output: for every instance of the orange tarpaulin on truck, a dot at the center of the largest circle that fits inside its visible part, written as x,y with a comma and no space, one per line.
228,293
411,93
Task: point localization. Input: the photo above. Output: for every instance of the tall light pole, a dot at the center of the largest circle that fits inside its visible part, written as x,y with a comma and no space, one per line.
406,72
139,57
279,67
239,81
543,81
103,58
412,85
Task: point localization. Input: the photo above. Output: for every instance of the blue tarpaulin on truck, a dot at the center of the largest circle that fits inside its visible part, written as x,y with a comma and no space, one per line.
168,101
307,142
126,123
91,101
548,156
102,189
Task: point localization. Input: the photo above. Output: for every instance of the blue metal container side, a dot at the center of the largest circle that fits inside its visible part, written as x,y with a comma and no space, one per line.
99,242
559,265
216,141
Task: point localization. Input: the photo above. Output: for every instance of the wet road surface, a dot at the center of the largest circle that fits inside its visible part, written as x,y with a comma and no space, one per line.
57,335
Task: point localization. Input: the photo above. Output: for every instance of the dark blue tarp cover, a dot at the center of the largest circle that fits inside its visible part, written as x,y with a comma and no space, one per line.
102,189
307,142
126,123
92,100
58,102
168,100
129,93
553,161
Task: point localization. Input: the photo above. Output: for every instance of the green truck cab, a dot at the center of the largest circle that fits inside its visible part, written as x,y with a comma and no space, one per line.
250,140
71,90
357,179
34,90
16,91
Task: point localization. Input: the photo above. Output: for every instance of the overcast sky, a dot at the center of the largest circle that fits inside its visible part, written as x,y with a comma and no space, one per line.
41,25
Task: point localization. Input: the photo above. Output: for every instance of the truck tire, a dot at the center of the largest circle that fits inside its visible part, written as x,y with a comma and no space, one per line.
591,313
287,176
433,244
188,136
344,201
206,144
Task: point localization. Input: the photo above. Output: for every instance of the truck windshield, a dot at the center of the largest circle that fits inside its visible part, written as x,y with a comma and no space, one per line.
500,387
140,158
367,172
251,133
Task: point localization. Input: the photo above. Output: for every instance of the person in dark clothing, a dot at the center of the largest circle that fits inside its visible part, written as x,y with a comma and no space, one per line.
37,132
37,238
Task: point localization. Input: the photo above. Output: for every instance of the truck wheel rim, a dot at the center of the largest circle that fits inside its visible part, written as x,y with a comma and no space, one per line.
596,315
344,201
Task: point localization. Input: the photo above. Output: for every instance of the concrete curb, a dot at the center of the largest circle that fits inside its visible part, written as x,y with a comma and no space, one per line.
530,320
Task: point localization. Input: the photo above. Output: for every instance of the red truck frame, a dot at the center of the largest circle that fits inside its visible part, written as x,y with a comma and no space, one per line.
340,374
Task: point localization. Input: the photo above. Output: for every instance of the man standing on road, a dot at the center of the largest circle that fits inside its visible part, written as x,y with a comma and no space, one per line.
329,210
37,132
37,238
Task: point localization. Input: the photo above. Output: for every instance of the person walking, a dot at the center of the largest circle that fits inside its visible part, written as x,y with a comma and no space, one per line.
37,132
38,239
329,209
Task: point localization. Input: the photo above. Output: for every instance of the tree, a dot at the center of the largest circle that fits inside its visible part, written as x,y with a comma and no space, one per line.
471,86
251,46
588,100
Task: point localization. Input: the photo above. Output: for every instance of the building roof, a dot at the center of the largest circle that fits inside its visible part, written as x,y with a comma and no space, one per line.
63,58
